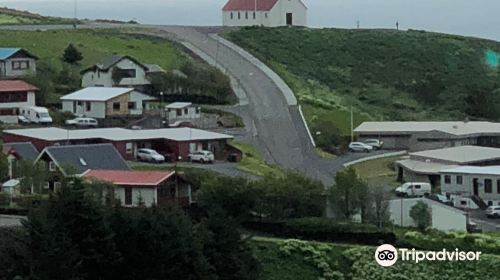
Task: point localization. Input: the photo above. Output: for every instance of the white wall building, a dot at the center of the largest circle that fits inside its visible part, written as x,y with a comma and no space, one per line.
14,95
182,111
271,13
133,73
443,217
102,102
16,62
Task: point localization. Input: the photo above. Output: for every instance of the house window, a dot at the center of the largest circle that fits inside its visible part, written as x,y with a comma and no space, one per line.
80,103
447,179
132,105
498,186
488,186
128,73
128,148
88,106
459,180
20,65
57,186
179,112
52,166
253,15
463,202
128,196
265,15
185,111
198,110
490,203
232,15
246,15
116,106
239,15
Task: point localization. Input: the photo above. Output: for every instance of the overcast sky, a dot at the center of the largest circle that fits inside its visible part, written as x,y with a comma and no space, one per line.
478,18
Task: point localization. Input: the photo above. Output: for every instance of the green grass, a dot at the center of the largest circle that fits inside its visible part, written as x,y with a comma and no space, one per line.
94,45
308,260
381,167
11,16
252,162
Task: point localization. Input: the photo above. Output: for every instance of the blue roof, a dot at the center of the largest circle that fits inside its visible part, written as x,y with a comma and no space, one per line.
8,52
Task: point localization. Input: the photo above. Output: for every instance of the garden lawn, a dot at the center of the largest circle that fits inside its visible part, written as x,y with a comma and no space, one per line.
252,162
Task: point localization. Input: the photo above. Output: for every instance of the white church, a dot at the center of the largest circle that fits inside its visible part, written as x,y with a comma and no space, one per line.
271,13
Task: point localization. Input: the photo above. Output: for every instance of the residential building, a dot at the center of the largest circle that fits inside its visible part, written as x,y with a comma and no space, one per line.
443,217
62,162
16,62
145,188
15,94
425,166
104,102
269,13
119,70
176,142
464,185
421,136
182,112
17,152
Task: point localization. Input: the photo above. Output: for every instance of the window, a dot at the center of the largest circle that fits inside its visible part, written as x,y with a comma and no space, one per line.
128,148
57,186
239,15
127,73
490,203
116,106
447,179
459,180
179,112
132,105
88,106
246,15
232,16
488,186
253,15
8,97
20,65
498,186
265,15
80,103
198,110
52,166
417,187
463,202
185,111
128,196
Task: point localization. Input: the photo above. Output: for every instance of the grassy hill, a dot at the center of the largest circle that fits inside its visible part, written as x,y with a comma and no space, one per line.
292,259
11,16
383,74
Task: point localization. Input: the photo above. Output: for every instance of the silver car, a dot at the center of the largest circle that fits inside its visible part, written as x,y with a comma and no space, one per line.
150,155
360,147
375,143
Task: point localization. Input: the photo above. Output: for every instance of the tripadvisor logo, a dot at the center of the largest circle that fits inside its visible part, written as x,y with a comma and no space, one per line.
386,255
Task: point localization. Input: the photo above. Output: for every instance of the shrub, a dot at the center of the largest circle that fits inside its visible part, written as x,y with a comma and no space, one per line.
4,199
29,201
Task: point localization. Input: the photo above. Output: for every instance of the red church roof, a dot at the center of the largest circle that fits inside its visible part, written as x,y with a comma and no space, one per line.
249,5
15,86
130,178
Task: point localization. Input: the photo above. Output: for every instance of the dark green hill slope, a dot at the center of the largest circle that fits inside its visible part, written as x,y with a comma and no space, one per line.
395,75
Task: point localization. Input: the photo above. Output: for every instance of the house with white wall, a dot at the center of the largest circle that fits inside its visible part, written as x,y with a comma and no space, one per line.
103,102
462,184
16,62
270,13
182,111
120,71
14,95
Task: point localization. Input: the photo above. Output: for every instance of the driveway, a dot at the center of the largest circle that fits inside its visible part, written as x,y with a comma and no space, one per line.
487,225
10,221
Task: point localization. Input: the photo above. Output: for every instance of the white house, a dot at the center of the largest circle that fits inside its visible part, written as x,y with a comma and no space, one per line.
16,62
119,70
179,111
102,102
271,13
464,183
15,94
443,217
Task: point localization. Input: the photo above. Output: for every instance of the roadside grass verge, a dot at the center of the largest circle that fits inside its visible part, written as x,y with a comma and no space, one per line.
253,163
381,167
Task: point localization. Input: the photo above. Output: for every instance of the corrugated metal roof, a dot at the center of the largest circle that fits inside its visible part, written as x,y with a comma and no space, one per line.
97,93
462,154
130,178
16,86
423,167
24,150
249,5
178,105
8,52
118,134
478,170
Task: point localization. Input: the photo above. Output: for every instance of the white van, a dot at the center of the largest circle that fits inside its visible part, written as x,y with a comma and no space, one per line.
34,114
414,189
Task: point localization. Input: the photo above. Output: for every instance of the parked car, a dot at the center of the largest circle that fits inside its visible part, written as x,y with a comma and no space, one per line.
493,212
82,122
414,189
473,228
443,199
202,156
360,147
33,114
375,143
150,155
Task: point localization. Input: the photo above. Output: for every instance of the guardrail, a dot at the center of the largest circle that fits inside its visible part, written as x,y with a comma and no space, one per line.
393,154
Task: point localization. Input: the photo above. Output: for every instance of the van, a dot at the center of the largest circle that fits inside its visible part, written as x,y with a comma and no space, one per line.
34,114
414,189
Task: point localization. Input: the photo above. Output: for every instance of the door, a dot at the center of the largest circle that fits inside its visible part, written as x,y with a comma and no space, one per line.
475,184
289,19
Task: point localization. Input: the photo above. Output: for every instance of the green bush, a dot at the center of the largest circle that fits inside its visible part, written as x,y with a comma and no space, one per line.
30,201
4,199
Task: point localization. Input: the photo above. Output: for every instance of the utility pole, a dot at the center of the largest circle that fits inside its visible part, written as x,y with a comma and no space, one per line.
352,126
357,23
76,14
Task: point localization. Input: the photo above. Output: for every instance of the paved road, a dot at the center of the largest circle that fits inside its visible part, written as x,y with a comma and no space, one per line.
273,126
10,221
486,224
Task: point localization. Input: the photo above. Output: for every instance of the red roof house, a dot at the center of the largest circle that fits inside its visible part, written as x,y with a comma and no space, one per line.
147,187
249,5
16,86
269,13
15,94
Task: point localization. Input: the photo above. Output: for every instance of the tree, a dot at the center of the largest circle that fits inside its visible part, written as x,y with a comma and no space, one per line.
348,195
379,213
421,215
4,167
72,55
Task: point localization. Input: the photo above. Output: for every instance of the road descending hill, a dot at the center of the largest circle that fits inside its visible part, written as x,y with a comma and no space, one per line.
389,74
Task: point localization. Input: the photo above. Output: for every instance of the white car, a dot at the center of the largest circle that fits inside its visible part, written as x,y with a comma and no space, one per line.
83,122
150,155
202,156
493,212
360,147
414,189
375,143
